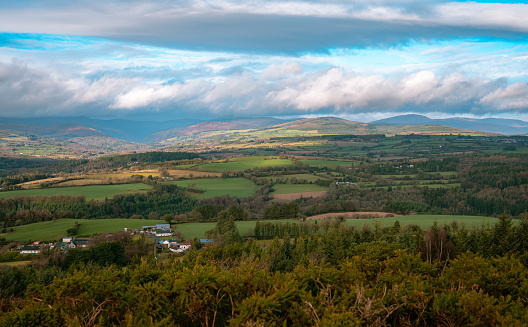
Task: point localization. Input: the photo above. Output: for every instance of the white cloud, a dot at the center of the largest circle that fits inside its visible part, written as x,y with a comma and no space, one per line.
485,15
511,97
99,90
277,71
279,89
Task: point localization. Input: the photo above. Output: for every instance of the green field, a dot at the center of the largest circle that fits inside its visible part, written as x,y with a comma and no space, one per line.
307,177
92,192
191,230
51,230
425,221
327,163
296,188
239,187
244,163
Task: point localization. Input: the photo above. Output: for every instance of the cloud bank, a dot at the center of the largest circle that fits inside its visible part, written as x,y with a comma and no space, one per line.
282,89
270,26
217,58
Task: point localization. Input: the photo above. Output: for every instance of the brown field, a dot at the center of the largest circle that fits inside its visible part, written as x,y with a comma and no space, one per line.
181,173
15,263
354,215
82,182
294,196
124,175
34,184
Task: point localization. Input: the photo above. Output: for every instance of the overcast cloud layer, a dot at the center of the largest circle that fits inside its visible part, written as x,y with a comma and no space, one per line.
218,58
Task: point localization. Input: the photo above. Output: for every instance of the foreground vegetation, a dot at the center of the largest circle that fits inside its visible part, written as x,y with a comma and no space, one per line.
344,277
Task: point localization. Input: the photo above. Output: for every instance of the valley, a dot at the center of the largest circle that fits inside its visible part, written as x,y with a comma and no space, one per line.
294,198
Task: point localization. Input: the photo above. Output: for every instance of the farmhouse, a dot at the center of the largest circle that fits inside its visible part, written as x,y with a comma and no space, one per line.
162,232
30,250
78,243
185,246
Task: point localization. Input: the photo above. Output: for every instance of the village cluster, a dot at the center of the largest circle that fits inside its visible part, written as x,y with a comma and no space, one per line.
157,231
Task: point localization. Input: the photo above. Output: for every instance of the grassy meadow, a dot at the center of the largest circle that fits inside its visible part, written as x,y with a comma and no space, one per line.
243,163
425,221
239,187
327,163
191,230
51,230
92,192
307,177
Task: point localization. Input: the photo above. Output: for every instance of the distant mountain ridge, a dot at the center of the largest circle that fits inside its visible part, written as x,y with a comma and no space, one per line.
124,129
60,130
154,132
487,125
235,124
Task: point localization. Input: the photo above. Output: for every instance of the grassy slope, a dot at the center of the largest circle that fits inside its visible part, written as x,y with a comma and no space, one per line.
243,163
327,163
239,187
308,177
95,192
51,230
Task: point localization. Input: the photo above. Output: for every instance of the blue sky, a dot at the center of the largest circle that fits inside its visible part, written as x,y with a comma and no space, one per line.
168,59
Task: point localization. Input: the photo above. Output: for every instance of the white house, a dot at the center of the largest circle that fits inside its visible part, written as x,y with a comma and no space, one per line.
77,243
30,250
185,246
162,232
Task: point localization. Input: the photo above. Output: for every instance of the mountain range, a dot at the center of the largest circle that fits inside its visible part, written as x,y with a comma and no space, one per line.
172,130
487,125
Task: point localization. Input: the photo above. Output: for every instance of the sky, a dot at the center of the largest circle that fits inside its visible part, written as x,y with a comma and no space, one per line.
360,60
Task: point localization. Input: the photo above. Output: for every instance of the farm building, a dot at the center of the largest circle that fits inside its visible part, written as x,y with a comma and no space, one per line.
162,232
158,226
78,243
30,250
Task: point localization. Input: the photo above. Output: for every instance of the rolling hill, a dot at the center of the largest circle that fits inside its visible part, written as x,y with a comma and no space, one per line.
487,125
211,132
80,141
57,131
